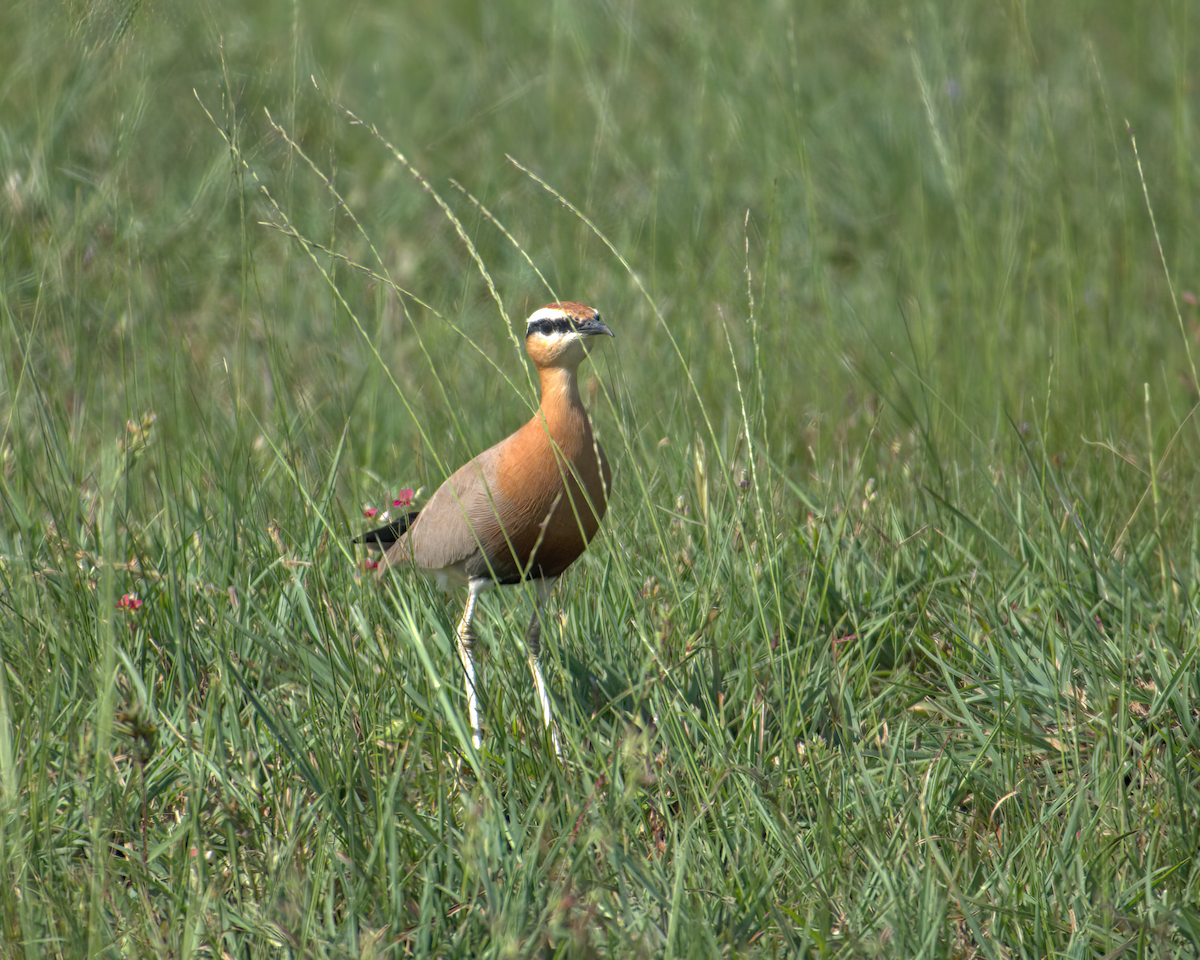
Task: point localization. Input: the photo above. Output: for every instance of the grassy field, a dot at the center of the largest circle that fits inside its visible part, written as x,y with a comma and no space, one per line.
888,646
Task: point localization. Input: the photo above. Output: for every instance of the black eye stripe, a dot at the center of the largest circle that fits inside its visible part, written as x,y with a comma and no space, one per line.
551,325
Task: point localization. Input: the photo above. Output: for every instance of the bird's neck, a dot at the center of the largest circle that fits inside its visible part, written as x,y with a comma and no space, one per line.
562,406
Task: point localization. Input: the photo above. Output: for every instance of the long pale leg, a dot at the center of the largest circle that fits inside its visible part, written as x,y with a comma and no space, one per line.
533,647
465,636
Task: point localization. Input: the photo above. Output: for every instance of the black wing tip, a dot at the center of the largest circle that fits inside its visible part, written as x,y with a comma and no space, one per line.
382,538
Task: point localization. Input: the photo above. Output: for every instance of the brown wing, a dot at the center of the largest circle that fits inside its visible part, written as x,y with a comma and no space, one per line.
458,527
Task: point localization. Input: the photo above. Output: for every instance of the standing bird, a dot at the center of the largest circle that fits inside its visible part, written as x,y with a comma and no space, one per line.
524,509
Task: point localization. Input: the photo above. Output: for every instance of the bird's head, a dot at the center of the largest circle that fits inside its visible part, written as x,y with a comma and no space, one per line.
560,334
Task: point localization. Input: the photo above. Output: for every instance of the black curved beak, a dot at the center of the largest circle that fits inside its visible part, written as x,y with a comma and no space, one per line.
594,328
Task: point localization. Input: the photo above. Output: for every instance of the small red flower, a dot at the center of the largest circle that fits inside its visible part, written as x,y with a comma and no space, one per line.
129,601
369,512
404,498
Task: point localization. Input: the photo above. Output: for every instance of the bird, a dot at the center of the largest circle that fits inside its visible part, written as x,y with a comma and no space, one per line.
524,509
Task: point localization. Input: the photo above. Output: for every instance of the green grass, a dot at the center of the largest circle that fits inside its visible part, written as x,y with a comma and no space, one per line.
888,646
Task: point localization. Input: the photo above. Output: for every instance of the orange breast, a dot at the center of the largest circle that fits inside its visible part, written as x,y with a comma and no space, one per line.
555,489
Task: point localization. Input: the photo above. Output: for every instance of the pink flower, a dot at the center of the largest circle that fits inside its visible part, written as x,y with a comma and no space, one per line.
404,498
129,601
369,512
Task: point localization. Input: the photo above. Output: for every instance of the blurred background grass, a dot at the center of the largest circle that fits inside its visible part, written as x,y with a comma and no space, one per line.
916,232
958,170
